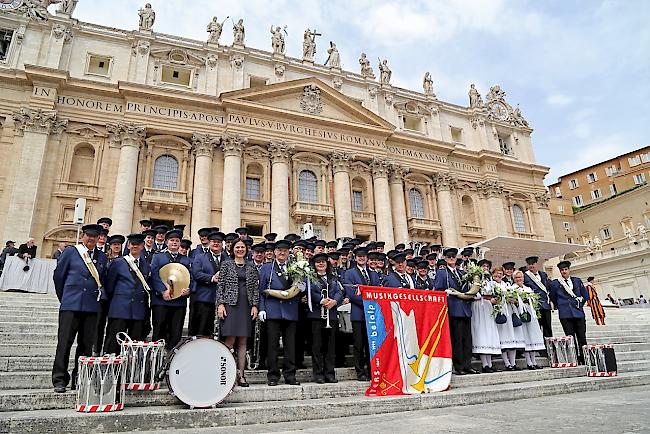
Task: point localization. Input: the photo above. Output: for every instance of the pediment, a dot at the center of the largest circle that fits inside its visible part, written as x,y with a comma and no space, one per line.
310,98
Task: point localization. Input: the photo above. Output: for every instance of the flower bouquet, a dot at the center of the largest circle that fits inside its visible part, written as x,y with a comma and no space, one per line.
497,309
297,271
532,299
472,276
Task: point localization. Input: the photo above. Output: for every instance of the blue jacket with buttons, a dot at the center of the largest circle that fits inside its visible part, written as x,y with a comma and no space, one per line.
75,286
567,306
126,295
277,309
445,279
161,259
351,279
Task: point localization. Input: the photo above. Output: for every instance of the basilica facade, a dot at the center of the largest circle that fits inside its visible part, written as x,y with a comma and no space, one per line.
148,125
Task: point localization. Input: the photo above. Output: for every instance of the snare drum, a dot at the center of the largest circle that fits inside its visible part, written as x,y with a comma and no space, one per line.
201,372
345,317
600,360
101,384
561,352
144,360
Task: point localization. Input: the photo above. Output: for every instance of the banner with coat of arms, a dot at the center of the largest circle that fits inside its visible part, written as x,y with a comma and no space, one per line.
408,337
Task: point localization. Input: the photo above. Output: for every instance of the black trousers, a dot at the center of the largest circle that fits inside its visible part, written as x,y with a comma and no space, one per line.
323,350
460,330
287,329
360,350
133,328
303,336
202,316
545,322
576,327
147,315
168,324
343,342
102,316
81,325
264,342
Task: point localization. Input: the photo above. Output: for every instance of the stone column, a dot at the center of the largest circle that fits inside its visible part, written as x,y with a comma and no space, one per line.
280,153
445,182
35,125
383,215
342,197
60,35
545,224
232,146
203,146
496,223
128,137
400,225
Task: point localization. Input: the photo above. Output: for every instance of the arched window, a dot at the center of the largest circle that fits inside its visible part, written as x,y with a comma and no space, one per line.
469,215
165,173
520,221
416,202
307,187
81,166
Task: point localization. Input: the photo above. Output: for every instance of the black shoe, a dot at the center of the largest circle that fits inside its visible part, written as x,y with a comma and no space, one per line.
510,368
272,382
59,389
292,382
320,381
331,380
537,367
487,370
530,367
516,368
455,372
73,384
242,382
471,371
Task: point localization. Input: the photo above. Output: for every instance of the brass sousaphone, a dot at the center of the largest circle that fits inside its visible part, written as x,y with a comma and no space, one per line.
471,293
175,277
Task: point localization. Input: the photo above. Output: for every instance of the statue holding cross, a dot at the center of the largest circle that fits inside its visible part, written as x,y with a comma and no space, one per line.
309,45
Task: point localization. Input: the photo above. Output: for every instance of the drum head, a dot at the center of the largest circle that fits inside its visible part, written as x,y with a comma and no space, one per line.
202,372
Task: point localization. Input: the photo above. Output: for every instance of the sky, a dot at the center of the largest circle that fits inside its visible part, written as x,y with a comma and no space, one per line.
579,69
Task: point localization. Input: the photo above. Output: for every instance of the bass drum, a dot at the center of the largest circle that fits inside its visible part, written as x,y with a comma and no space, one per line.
201,372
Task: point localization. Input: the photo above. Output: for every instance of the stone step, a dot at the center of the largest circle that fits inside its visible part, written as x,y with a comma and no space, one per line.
30,349
233,414
47,399
43,379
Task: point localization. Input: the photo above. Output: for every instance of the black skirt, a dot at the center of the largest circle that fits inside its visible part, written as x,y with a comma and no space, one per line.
238,317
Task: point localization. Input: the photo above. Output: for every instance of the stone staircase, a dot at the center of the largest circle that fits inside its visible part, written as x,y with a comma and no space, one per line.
28,324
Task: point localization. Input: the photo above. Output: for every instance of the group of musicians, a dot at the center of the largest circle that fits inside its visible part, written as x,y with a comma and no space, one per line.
109,284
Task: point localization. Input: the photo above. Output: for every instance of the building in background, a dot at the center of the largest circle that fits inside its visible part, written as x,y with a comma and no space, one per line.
615,228
217,133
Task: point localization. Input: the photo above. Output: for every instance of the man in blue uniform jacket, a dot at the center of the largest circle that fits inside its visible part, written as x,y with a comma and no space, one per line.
126,292
397,276
460,314
422,279
78,277
359,274
537,280
205,272
280,316
168,315
570,295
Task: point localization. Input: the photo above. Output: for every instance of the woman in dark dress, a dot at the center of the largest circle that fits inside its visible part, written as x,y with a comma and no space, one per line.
237,299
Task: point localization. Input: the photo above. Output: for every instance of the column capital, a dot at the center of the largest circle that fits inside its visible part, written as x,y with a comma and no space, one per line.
233,144
341,161
280,151
445,181
397,173
380,167
37,121
489,187
204,144
126,134
542,198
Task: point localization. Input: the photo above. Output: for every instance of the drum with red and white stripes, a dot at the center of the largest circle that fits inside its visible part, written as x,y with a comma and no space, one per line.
561,352
600,360
101,384
144,361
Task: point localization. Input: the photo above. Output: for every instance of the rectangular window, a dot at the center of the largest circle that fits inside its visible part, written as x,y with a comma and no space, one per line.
612,190
6,36
577,200
634,161
639,178
99,65
592,177
257,82
176,75
573,184
504,146
605,233
255,230
412,123
609,171
560,208
253,190
596,194
558,192
569,240
645,157
456,135
567,226
357,200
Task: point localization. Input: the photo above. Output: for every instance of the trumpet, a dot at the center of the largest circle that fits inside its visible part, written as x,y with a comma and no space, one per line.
324,312
253,354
